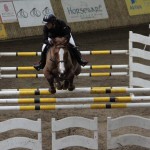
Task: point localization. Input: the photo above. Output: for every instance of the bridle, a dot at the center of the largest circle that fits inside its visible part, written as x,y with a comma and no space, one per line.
55,60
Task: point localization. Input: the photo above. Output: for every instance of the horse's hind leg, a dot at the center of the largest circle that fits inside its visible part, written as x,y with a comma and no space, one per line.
58,84
71,85
65,85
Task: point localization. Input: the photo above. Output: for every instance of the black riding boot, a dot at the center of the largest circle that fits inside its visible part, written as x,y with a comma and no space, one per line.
42,62
76,53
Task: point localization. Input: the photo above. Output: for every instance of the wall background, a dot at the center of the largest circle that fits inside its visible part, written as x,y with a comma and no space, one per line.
118,17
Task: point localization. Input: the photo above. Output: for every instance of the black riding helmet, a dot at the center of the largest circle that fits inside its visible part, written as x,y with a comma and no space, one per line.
49,18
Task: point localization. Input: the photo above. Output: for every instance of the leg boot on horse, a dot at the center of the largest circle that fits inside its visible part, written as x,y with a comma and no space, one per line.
52,88
71,86
66,85
58,84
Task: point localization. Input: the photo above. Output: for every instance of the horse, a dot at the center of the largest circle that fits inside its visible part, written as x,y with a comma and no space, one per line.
61,67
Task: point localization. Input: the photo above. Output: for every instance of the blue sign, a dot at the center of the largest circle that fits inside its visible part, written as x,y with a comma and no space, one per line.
133,1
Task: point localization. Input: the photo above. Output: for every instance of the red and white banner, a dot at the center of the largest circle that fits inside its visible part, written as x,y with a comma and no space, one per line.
7,12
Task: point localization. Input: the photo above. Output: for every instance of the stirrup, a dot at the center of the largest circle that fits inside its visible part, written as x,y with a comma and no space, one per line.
39,66
83,62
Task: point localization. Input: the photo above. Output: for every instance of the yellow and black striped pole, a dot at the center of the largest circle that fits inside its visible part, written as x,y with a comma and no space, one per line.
74,99
30,68
77,106
99,74
93,52
92,90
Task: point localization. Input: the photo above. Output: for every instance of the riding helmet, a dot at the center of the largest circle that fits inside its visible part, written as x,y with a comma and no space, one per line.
49,18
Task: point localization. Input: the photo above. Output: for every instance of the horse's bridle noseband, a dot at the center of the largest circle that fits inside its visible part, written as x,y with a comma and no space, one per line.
55,60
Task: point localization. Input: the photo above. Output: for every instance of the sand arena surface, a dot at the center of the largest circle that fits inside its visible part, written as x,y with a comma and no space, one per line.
115,39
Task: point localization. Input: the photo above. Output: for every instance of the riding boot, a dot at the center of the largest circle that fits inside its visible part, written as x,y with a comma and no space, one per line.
42,62
76,53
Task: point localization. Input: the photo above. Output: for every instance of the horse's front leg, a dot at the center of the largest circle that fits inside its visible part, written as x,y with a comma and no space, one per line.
71,86
52,88
50,78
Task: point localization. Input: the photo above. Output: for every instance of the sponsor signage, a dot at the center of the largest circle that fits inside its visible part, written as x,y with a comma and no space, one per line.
84,10
138,7
31,12
7,12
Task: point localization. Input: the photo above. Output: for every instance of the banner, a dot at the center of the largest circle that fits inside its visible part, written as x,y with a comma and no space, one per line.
84,10
31,12
3,34
7,12
138,7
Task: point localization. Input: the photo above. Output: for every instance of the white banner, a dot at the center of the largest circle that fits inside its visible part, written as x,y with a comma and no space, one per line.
84,10
7,12
31,12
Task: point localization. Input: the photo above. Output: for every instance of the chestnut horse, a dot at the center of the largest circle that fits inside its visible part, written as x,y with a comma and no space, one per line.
60,66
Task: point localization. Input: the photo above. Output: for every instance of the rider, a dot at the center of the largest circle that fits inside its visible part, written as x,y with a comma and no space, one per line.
57,28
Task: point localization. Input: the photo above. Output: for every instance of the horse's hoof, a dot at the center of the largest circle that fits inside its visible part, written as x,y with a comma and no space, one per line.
65,87
52,90
71,88
59,87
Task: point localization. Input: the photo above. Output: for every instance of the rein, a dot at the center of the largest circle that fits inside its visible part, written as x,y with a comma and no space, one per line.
55,61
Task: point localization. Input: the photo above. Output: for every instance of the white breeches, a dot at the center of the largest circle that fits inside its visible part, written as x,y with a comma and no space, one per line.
44,45
71,41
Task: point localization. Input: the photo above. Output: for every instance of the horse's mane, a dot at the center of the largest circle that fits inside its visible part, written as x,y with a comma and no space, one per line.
60,42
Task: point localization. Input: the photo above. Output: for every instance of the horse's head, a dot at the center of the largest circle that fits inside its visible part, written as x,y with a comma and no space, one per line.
61,55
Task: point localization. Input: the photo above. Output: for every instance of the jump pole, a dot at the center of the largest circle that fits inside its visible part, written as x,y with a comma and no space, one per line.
91,90
25,68
77,106
98,74
71,100
93,52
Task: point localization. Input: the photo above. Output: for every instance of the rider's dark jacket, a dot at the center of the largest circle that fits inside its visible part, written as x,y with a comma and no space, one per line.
61,29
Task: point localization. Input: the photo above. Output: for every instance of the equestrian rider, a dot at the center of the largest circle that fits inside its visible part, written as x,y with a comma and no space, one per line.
57,28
